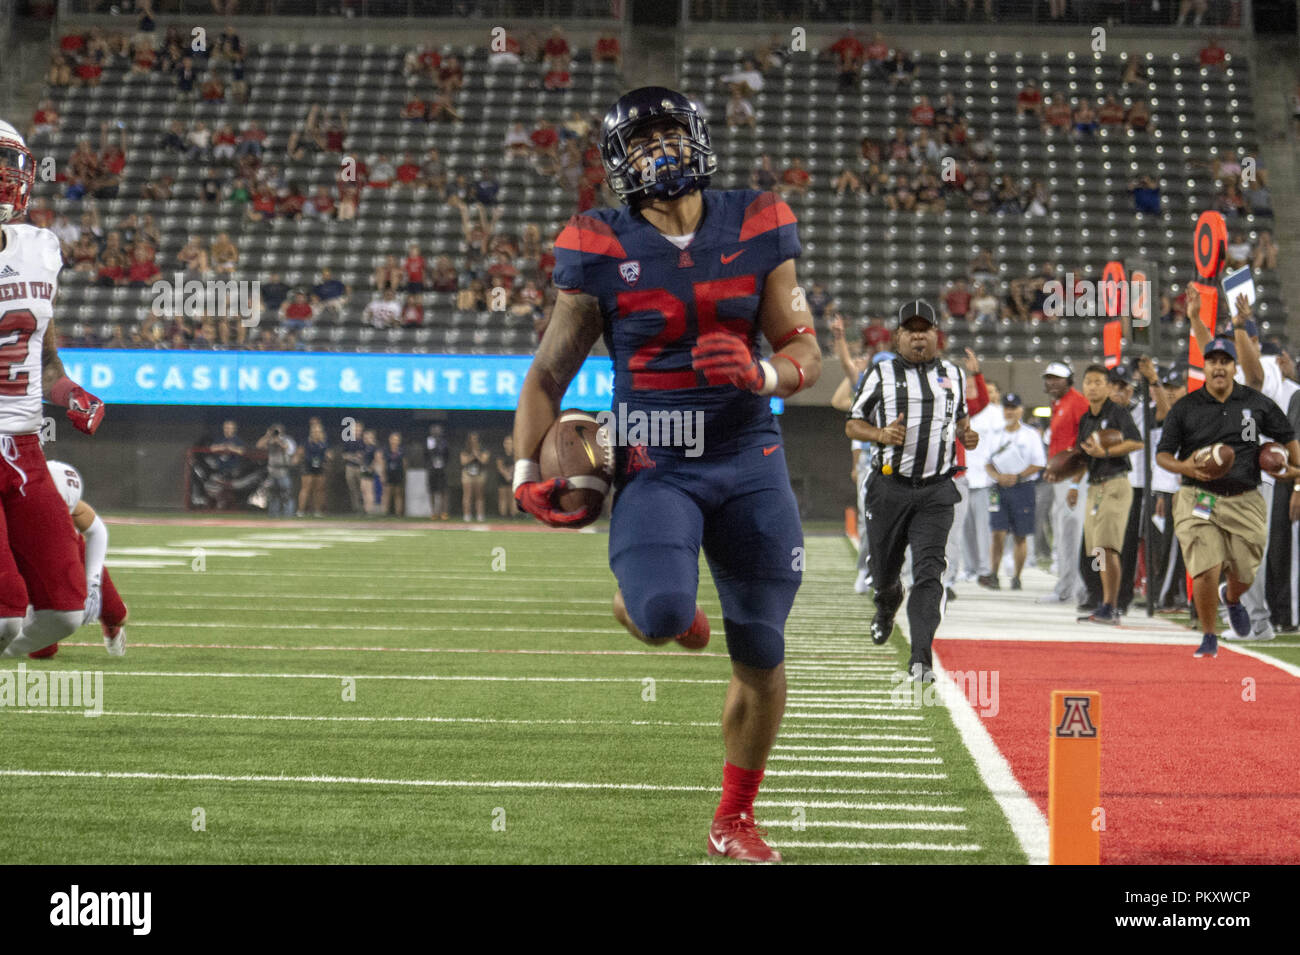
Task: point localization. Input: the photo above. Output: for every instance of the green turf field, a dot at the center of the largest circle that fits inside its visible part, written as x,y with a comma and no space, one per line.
305,693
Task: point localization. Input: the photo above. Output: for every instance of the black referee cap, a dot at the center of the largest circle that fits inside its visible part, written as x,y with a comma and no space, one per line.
918,308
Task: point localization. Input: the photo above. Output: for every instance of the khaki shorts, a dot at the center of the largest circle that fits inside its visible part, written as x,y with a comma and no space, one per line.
1105,517
1234,534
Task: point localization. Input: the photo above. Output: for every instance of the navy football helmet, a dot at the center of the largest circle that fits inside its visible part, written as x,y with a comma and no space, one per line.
634,173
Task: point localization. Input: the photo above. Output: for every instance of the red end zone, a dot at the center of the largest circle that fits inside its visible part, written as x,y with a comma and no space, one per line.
1191,772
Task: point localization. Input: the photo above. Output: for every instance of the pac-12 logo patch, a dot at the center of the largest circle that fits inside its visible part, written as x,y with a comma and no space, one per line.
1077,720
631,271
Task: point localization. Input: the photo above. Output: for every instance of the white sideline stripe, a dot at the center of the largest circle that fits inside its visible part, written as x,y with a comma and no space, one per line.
862,717
378,781
844,804
1282,665
854,774
796,825
909,846
119,563
422,677
422,611
173,552
885,760
396,598
781,747
1026,819
1111,635
879,736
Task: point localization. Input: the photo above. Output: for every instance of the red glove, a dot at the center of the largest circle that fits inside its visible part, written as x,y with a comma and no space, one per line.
538,499
725,359
85,411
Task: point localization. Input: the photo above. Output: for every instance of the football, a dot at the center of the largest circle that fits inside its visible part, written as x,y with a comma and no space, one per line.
1067,464
576,450
1109,437
1272,458
1216,459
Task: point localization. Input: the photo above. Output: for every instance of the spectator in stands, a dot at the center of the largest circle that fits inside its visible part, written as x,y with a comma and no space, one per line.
922,113
158,188
1138,117
1265,252
1213,55
1037,199
194,258
434,174
336,131
85,253
956,303
388,275
209,187
1056,114
979,193
68,232
290,203
507,55
273,294
263,206
60,74
1135,73
384,311
442,110
45,120
1238,250
198,142
225,255
876,337
1029,100
330,294
796,178
213,88
983,306
902,194
1111,113
298,313
608,50
175,139
740,111
421,64
252,140
186,76
820,301
900,71
556,49
319,205
1085,121
472,298
382,172
516,144
748,80
143,270
224,141
414,267
848,52
1230,202
111,269
443,278
1259,200
412,312
847,180
764,178
557,78
451,77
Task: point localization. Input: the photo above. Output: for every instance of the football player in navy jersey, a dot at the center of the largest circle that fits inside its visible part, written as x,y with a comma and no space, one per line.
681,281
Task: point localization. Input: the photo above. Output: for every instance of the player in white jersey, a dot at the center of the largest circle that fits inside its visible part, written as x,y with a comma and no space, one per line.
103,602
38,567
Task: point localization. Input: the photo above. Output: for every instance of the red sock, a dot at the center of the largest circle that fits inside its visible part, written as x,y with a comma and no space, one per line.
739,787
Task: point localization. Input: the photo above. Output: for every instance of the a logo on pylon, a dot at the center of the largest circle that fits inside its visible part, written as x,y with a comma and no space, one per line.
1077,721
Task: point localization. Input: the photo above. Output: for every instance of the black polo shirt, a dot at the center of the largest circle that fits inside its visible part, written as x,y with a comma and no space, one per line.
1242,421
1111,415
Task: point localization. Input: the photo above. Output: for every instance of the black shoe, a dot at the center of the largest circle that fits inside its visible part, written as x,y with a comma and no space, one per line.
952,594
920,673
882,628
1015,583
989,581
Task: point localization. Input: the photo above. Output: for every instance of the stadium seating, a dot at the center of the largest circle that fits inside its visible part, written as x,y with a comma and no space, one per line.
867,256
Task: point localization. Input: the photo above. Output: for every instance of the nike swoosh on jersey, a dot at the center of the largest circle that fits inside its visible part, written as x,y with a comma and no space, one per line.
767,451
727,259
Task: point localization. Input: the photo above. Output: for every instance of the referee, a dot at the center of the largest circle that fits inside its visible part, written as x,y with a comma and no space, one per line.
914,407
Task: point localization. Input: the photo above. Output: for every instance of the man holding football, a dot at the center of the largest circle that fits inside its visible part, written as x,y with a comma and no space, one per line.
37,567
1220,521
680,282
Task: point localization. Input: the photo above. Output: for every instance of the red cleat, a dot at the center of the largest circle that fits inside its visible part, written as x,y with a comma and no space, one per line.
737,837
45,652
697,637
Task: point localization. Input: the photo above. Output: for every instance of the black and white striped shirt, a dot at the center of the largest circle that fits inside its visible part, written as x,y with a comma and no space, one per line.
931,398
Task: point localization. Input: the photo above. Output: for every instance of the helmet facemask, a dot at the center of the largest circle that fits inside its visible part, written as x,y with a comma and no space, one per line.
663,158
17,175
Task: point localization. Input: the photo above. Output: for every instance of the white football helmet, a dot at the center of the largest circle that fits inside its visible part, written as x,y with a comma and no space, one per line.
17,173
67,480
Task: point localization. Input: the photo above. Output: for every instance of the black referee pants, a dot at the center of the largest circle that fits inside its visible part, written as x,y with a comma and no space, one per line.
1282,561
898,516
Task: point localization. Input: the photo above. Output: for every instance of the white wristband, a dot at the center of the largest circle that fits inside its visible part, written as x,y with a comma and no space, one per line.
770,378
525,472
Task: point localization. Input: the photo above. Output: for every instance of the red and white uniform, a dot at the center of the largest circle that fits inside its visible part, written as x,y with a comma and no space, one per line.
39,566
92,544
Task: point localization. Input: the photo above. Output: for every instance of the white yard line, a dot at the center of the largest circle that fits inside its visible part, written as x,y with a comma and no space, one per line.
883,846
1027,821
422,677
855,806
798,825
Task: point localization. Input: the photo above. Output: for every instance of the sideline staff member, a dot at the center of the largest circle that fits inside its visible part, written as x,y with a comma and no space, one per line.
1221,522
910,500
